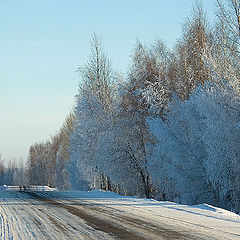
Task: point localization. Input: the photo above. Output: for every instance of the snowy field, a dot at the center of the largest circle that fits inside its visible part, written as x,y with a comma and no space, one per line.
106,215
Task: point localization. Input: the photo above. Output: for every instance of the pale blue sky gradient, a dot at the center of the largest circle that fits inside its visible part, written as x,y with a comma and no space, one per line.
43,42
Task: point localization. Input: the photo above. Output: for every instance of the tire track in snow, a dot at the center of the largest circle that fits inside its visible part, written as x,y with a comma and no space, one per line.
14,220
5,224
3,232
18,215
67,225
95,223
57,223
123,227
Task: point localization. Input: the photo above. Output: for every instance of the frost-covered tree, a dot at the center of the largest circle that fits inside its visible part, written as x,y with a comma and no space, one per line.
195,156
169,131
220,108
176,158
191,49
94,103
229,16
149,81
121,152
223,56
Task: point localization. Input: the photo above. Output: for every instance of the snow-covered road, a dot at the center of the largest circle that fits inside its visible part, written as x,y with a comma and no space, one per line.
105,215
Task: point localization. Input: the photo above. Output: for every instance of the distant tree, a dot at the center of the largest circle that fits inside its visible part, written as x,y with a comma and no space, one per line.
38,163
62,156
2,170
9,173
20,174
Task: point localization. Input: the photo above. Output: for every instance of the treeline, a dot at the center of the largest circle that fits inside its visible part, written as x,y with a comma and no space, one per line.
168,129
47,161
14,173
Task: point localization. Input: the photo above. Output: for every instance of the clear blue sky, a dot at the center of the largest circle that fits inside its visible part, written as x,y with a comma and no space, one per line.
43,42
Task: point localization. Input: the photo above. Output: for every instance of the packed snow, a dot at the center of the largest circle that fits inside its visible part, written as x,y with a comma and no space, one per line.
25,216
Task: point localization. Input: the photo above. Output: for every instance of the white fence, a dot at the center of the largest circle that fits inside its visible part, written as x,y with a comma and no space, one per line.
30,188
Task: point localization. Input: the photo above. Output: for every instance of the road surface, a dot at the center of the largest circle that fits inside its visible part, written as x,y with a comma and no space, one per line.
52,215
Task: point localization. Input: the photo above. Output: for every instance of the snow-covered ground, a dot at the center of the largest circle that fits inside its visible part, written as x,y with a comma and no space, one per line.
106,215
